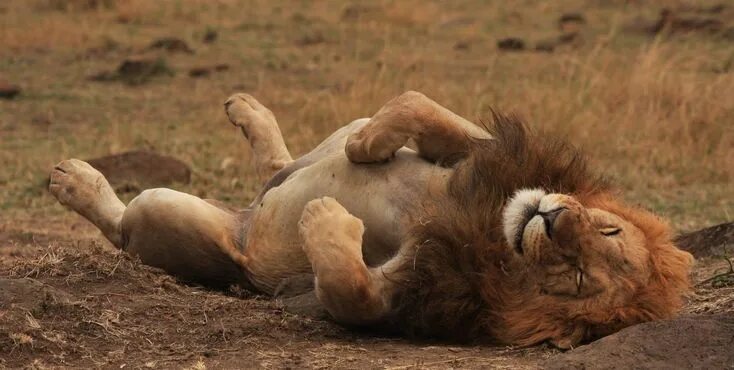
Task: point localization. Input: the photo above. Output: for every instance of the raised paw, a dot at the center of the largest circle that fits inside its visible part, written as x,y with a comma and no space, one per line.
369,146
246,112
76,184
330,232
82,188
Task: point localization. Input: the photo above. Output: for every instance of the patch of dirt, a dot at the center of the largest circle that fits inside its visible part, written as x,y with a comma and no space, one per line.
688,342
136,170
102,309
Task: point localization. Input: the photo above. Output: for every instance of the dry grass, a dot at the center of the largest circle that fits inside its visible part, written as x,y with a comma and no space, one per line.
655,114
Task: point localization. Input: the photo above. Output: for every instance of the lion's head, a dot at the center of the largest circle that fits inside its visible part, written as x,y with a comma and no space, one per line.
529,246
590,267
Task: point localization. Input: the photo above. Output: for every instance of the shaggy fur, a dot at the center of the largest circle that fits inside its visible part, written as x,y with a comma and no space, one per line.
461,281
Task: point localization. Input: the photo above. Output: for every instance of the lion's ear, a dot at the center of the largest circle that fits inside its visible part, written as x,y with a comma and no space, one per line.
569,338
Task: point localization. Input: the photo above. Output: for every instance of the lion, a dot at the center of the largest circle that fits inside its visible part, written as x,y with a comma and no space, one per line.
415,219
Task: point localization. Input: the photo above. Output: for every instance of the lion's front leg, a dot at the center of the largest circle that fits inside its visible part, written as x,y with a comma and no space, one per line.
438,133
351,292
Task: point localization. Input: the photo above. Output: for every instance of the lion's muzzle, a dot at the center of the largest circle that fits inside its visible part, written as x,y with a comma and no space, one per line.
537,223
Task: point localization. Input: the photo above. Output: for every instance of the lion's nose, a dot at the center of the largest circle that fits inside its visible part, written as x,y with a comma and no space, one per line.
549,218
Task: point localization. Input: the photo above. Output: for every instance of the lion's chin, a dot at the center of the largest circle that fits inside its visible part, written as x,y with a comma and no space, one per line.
520,210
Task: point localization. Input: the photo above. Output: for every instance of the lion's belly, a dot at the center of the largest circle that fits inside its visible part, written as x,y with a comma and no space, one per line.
383,196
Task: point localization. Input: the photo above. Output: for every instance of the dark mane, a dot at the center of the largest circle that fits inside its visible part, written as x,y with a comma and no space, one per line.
459,244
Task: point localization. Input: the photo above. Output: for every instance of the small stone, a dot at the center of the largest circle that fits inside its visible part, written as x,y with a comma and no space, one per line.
511,44
171,44
462,45
136,70
200,72
8,90
210,36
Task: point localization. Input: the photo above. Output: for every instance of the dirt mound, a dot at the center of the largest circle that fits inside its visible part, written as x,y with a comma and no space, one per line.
711,241
137,170
691,342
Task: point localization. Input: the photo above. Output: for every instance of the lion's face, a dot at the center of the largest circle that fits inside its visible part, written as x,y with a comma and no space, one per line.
587,262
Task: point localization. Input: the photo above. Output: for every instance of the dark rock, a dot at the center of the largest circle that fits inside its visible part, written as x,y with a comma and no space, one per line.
210,36
171,44
356,12
571,22
711,241
138,170
204,71
551,44
141,69
462,45
8,90
671,22
571,18
200,72
136,70
689,342
312,37
511,44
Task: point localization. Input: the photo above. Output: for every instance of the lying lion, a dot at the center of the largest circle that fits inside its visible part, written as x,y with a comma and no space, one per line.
413,219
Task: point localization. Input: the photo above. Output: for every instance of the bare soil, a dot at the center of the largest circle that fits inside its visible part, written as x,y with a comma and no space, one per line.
78,303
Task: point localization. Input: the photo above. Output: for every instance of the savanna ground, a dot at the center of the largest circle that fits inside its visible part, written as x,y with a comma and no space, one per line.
654,112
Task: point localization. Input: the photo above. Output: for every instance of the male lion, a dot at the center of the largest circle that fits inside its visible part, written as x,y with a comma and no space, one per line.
414,219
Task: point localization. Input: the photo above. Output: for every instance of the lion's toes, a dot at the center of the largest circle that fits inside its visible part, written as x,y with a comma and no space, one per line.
75,183
373,144
326,225
244,111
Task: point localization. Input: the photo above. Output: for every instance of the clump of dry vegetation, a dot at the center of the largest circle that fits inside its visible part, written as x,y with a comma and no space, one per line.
653,111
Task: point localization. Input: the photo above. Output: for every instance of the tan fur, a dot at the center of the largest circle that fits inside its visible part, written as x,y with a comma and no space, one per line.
476,233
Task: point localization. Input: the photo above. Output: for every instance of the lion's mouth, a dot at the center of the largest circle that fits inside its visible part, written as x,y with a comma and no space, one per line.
528,212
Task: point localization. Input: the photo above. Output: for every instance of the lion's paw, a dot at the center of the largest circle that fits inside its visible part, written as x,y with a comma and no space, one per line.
76,184
246,112
330,233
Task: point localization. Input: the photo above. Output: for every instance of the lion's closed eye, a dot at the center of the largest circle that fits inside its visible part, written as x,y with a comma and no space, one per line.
610,230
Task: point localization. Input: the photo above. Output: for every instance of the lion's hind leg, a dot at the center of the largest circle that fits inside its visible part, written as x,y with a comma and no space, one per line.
259,126
351,292
186,236
85,190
